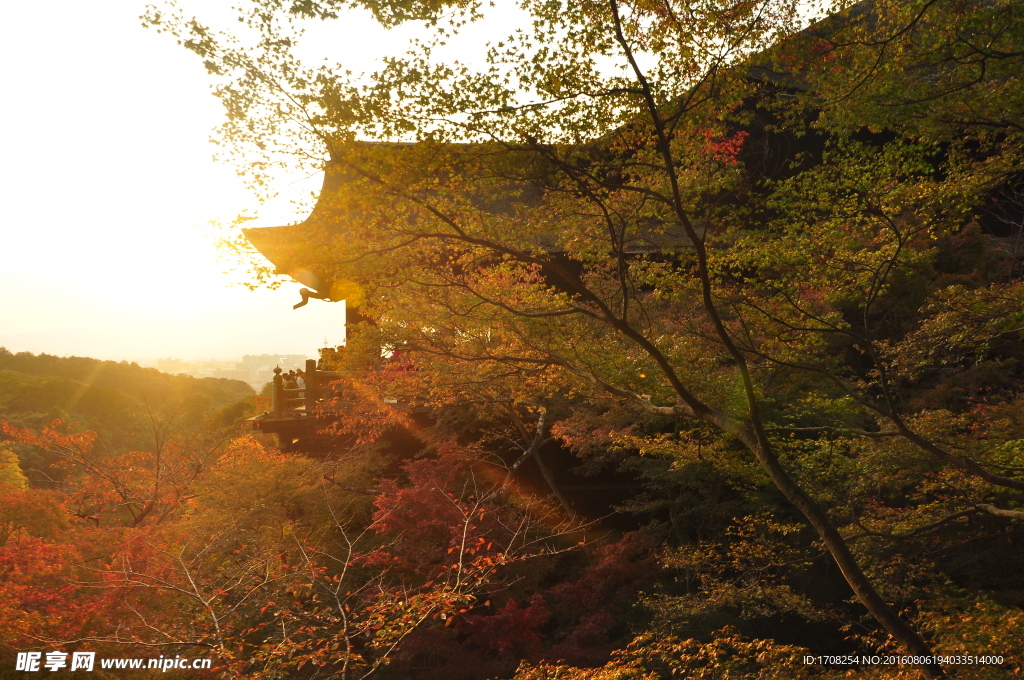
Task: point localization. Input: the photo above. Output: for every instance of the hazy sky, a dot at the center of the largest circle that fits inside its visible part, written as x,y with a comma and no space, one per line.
106,183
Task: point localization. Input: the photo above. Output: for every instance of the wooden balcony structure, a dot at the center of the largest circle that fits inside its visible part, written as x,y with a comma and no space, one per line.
298,415
293,411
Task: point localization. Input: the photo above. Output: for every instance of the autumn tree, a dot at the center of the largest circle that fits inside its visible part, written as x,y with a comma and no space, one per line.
597,211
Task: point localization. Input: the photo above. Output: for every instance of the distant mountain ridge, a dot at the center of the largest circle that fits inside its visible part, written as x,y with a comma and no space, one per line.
98,392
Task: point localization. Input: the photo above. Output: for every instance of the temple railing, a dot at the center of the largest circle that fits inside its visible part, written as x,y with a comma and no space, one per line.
294,415
294,403
299,402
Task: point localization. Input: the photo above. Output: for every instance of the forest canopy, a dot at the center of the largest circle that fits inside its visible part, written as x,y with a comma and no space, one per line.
688,344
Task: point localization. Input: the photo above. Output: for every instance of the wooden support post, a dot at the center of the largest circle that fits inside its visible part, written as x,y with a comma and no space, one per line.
277,394
311,385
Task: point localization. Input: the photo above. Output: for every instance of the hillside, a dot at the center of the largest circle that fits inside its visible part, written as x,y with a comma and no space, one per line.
119,401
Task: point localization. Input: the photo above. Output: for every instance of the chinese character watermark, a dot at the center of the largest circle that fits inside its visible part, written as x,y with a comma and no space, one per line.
56,661
30,661
82,660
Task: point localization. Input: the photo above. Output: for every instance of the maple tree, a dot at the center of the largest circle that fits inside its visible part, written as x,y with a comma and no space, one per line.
561,228
274,564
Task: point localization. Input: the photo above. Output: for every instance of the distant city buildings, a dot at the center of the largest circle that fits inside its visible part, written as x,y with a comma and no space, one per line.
255,369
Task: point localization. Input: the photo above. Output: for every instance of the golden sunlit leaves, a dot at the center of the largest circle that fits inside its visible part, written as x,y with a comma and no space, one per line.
349,291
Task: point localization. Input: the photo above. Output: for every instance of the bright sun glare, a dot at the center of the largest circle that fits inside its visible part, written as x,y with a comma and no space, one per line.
108,182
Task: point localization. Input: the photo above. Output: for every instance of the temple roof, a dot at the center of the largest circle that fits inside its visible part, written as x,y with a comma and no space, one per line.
302,251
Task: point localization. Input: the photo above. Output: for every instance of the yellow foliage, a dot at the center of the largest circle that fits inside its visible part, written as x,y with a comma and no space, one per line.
11,476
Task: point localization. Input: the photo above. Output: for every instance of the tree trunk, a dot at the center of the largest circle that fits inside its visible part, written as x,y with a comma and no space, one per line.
836,545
